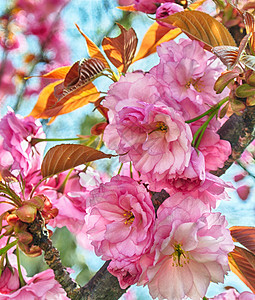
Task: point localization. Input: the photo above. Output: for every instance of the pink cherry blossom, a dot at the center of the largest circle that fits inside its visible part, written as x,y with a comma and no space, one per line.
232,294
165,10
152,135
42,286
120,219
9,281
17,133
190,247
214,150
7,84
190,72
70,198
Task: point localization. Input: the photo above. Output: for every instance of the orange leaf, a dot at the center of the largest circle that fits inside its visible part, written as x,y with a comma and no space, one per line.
155,35
244,235
71,101
46,98
127,8
121,50
58,73
63,157
196,4
93,50
242,263
201,26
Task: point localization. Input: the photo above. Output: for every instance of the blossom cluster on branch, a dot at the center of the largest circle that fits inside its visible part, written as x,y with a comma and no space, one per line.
155,221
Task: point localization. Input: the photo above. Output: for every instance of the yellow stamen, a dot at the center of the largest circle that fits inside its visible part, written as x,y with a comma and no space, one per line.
129,217
177,255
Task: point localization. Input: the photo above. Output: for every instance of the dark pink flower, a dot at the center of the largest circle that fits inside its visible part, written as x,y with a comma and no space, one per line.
9,281
17,133
120,219
165,10
42,286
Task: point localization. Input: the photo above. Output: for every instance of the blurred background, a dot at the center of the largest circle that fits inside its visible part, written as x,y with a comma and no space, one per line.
37,36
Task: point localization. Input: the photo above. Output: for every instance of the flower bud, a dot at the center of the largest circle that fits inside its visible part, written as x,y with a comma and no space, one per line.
37,201
98,128
26,213
243,192
25,237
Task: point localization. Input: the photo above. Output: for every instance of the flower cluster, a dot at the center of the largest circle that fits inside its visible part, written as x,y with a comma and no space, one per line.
150,127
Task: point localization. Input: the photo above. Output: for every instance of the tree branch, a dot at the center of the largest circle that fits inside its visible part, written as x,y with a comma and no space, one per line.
239,131
52,257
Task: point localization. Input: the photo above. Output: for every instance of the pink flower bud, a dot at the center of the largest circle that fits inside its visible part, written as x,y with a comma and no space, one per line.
243,192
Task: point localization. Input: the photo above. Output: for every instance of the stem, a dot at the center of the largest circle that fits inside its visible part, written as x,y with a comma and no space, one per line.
21,279
34,141
202,130
213,109
121,165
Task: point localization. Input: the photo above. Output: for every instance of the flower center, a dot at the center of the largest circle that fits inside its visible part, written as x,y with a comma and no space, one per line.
178,255
194,83
161,126
129,217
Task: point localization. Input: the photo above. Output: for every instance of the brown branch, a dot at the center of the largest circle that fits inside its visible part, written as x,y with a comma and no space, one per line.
239,131
52,257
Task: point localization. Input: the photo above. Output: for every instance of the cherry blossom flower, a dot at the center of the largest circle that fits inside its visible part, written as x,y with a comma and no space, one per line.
190,249
42,286
120,219
190,72
214,150
152,135
232,294
17,133
9,281
70,197
165,10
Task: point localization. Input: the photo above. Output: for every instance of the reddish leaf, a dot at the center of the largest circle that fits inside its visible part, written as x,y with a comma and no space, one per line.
249,22
93,50
155,35
58,73
79,76
249,61
242,263
224,110
121,50
230,55
63,157
201,26
71,101
244,235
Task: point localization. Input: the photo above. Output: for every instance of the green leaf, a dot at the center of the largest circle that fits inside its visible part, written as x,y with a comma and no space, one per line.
225,79
245,90
7,247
